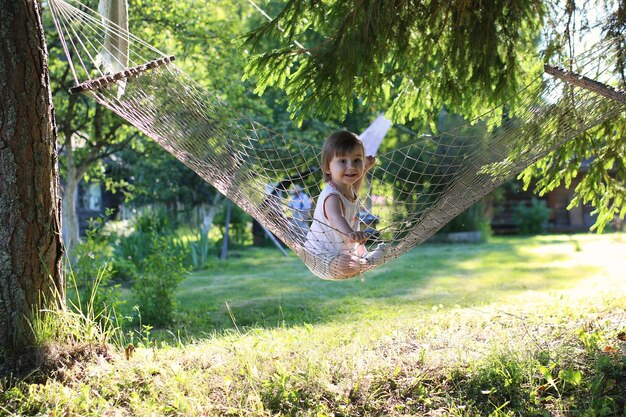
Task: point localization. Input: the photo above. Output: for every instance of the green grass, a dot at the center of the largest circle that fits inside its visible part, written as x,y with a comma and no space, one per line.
517,326
264,289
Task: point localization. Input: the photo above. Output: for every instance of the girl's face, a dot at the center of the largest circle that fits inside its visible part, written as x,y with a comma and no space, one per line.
346,169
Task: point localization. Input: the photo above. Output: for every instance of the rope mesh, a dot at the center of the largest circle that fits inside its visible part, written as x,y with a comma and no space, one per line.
415,189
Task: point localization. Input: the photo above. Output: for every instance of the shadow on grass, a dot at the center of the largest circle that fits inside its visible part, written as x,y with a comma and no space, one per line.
264,289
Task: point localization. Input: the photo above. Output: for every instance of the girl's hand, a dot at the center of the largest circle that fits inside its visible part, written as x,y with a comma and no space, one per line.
357,237
370,161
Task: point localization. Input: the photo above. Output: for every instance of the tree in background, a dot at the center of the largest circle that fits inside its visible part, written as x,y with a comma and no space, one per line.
159,179
203,36
30,241
88,135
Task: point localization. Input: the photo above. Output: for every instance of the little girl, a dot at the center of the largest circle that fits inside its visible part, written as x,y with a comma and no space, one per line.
334,236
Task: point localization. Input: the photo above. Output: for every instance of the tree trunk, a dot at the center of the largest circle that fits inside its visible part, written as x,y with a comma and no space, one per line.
229,211
71,226
209,214
30,233
71,232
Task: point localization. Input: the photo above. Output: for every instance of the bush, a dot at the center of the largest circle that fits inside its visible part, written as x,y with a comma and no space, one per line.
240,232
531,219
155,261
124,270
153,221
134,247
131,251
474,219
162,271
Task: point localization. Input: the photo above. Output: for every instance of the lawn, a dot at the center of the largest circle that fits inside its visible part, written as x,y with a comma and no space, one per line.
517,327
264,289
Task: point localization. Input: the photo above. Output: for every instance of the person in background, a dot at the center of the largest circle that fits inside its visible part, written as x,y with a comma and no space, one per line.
300,205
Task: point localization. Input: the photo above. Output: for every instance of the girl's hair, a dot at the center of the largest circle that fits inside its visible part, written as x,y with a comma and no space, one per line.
338,144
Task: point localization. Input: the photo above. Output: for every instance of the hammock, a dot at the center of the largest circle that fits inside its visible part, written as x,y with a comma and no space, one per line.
415,189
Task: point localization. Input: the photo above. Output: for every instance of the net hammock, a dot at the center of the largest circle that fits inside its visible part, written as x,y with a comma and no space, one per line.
414,190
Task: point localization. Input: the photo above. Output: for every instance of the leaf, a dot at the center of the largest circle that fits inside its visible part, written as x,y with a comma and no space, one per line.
547,374
610,384
609,349
571,376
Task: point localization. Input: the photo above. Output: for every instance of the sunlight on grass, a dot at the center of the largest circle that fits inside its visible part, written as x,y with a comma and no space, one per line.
266,289
514,327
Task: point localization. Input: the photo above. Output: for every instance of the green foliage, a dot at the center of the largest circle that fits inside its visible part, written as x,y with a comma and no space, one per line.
131,250
154,260
206,38
500,384
161,273
598,159
160,179
129,253
153,221
240,230
466,56
124,270
473,219
91,271
531,218
200,249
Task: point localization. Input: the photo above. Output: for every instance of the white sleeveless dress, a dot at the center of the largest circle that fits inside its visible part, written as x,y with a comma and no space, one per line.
325,242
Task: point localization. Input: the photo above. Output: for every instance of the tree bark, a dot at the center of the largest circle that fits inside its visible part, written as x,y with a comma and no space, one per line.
30,237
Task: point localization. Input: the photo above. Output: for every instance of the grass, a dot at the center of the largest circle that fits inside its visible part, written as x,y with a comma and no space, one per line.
517,326
264,289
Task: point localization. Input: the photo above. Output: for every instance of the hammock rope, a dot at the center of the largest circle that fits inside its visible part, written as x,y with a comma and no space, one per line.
415,189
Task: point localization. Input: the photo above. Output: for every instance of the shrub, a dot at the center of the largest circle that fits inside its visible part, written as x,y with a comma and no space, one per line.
240,231
134,247
153,221
162,271
124,269
531,218
474,219
131,251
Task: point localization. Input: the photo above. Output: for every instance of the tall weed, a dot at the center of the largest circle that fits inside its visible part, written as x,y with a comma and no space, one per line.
200,250
90,273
